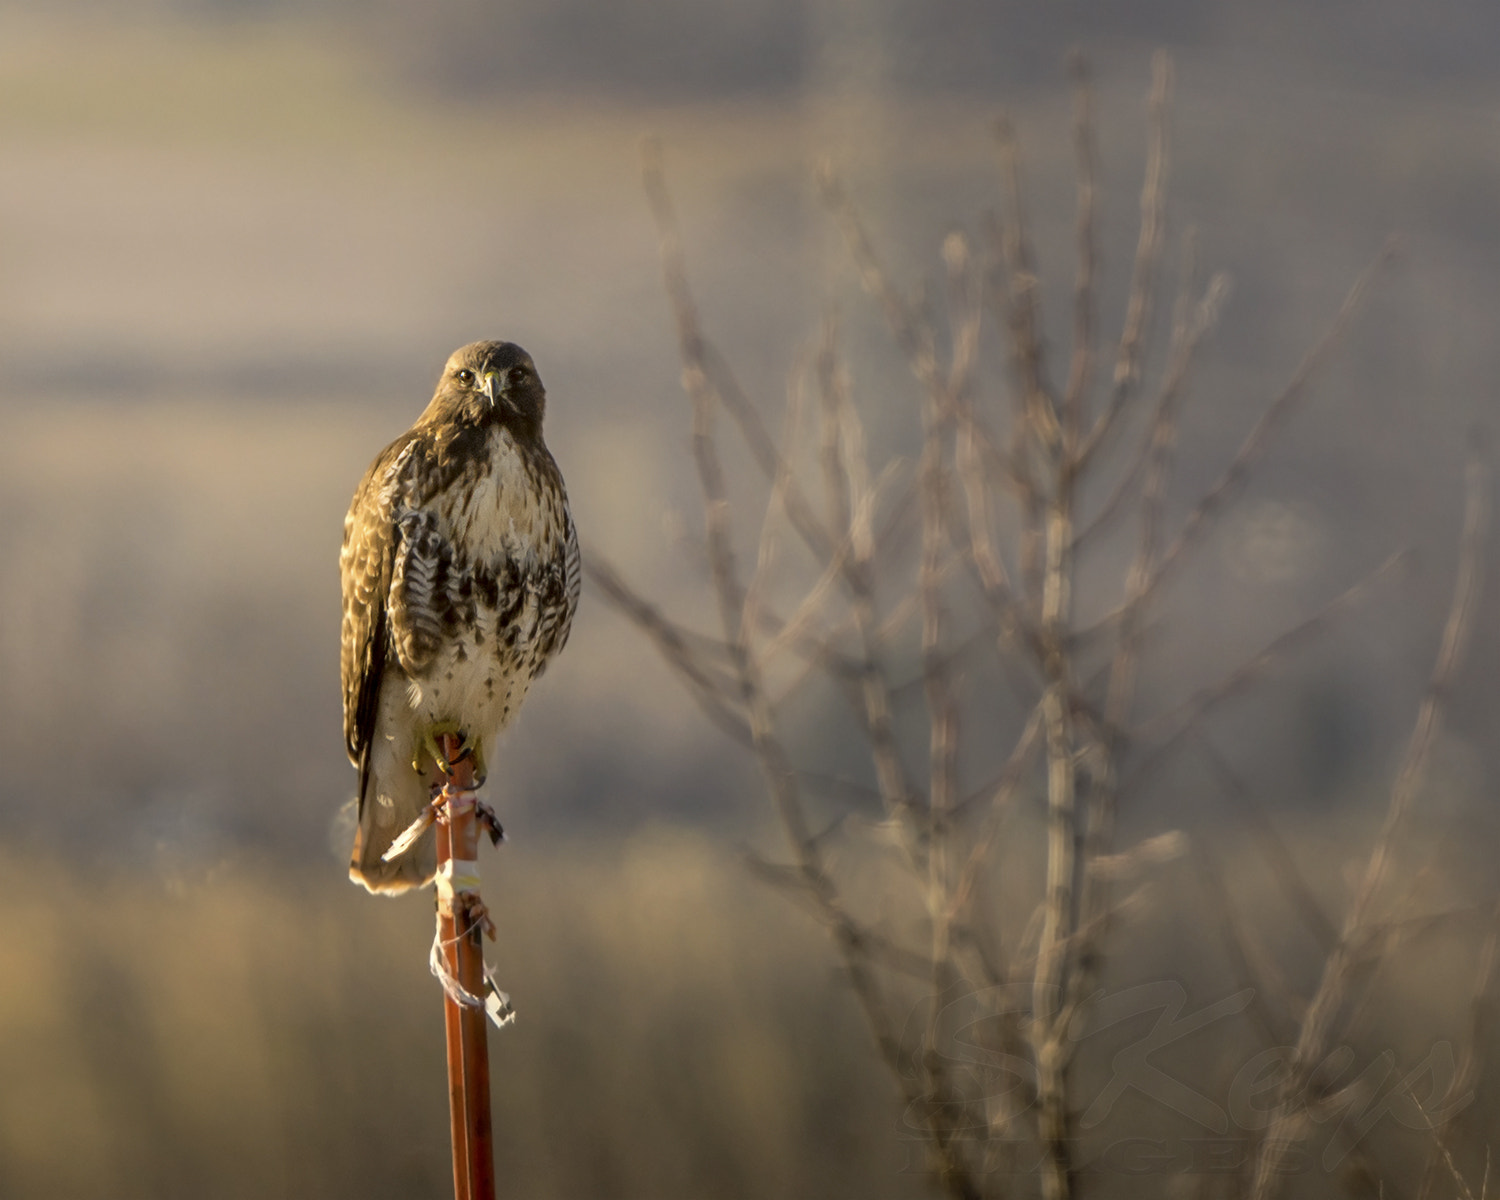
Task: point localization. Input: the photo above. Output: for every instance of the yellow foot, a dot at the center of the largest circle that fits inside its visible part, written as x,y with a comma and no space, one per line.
430,749
475,750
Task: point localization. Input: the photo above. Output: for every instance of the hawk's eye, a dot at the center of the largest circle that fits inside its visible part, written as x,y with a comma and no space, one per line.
465,377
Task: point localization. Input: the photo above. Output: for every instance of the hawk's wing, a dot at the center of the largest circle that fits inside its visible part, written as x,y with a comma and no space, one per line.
366,563
572,572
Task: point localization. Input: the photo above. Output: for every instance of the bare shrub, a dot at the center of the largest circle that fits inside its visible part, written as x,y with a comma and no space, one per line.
975,938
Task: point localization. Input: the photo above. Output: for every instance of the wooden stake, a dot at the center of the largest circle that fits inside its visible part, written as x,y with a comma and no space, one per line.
460,929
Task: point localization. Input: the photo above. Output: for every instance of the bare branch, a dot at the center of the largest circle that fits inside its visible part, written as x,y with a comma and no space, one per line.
1273,848
704,369
912,333
1333,986
1168,729
1080,367
1132,346
1191,322
1254,965
775,504
776,768
676,646
1126,865
1190,326
1023,304
1229,484
799,624
833,389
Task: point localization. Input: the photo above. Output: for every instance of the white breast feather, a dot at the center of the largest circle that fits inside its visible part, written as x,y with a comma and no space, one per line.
499,519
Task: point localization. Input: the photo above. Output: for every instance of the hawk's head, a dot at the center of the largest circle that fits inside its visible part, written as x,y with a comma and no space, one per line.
490,383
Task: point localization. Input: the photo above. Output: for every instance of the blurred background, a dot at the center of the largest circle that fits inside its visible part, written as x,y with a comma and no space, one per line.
237,242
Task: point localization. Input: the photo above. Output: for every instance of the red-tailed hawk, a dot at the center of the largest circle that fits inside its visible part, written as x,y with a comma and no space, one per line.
461,576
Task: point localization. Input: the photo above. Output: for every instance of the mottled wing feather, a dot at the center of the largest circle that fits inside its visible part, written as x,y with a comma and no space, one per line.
366,564
418,594
553,589
369,700
572,575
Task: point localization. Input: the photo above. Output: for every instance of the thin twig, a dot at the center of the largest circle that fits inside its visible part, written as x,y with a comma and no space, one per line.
1168,729
1333,986
1133,336
780,778
775,505
1191,322
1051,1047
1254,966
800,623
1000,795
1247,808
1217,497
704,369
673,644
1023,307
1080,367
1189,326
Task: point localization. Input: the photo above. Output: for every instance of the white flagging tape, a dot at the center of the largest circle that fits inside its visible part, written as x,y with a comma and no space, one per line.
495,1003
457,875
459,994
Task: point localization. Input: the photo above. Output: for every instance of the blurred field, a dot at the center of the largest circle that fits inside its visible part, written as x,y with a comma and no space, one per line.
257,1031
265,1033
235,247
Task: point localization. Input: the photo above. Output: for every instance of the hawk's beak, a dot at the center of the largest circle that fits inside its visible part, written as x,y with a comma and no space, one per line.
494,384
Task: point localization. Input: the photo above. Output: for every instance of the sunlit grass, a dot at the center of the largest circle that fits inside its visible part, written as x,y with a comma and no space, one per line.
254,1033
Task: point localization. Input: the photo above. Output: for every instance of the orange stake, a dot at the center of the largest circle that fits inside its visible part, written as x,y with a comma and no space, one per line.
460,929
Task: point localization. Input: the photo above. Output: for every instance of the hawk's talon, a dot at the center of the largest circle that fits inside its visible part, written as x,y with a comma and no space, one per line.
474,750
430,748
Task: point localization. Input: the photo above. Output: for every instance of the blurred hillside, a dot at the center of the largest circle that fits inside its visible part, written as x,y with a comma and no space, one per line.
238,240
236,252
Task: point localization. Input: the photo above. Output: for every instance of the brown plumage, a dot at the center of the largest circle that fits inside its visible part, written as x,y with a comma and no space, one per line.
461,576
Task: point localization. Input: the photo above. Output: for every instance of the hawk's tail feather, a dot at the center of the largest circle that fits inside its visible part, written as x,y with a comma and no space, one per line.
414,869
389,807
